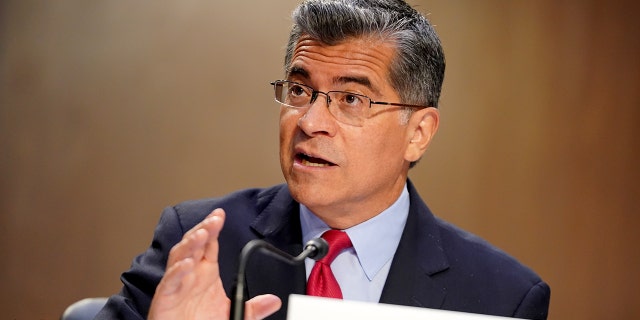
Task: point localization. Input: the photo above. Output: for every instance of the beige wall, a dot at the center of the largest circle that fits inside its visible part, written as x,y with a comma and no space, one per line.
112,110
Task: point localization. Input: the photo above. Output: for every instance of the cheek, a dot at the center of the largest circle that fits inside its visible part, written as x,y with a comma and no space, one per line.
381,148
362,151
289,118
288,125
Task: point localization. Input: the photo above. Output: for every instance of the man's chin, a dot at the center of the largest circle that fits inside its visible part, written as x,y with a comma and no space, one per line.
309,194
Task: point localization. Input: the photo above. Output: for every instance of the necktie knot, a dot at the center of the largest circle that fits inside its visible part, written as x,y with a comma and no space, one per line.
338,241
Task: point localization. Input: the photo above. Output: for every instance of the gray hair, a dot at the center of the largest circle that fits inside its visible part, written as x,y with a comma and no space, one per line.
416,72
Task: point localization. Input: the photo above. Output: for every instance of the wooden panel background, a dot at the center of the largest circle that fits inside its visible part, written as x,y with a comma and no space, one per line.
112,110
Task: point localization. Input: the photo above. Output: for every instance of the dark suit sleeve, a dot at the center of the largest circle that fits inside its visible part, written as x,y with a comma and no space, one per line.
140,281
535,304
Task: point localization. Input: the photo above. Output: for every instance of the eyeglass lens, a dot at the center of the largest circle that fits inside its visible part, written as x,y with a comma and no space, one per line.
346,107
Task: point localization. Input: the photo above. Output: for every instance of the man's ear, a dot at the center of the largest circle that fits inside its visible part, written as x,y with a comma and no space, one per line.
422,126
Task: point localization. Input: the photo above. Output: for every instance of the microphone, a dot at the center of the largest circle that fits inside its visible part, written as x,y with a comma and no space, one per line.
315,249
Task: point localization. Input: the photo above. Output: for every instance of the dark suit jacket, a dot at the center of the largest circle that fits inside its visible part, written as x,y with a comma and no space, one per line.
436,265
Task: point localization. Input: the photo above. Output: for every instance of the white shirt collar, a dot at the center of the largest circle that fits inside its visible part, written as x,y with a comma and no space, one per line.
375,241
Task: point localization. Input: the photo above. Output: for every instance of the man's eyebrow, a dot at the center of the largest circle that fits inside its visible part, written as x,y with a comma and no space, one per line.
298,71
364,81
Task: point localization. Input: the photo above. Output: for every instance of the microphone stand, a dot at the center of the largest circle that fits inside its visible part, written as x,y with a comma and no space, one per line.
315,248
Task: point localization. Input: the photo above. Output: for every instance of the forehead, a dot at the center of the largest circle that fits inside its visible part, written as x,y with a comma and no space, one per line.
365,59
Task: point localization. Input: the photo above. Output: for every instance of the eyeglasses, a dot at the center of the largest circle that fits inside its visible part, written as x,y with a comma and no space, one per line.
347,107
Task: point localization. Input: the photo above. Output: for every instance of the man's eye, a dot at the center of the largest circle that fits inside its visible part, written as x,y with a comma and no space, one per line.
352,99
297,91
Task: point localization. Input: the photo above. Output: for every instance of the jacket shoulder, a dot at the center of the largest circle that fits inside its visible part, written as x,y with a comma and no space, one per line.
242,204
485,272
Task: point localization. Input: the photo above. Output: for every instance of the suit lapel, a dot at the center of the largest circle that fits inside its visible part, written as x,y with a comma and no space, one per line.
279,225
418,257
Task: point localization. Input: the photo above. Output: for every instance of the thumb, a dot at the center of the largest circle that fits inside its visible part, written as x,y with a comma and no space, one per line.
262,306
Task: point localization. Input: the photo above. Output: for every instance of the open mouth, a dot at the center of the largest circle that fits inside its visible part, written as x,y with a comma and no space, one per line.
307,160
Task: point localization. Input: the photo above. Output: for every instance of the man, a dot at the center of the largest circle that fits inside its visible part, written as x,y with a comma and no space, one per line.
359,100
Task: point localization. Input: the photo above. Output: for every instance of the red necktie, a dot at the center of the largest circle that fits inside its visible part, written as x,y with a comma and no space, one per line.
321,282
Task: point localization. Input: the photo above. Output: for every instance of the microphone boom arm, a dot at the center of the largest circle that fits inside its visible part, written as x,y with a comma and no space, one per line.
315,248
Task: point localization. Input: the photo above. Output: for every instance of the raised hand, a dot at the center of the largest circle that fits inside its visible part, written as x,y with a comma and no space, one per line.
191,288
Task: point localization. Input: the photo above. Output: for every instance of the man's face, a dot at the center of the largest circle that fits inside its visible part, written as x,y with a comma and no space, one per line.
345,174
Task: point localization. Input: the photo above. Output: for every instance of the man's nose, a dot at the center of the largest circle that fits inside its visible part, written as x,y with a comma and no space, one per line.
318,118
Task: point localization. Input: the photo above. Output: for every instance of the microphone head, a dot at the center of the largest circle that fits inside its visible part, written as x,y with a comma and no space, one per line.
320,246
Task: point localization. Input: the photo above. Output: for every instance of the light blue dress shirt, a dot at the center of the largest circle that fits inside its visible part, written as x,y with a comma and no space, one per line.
361,271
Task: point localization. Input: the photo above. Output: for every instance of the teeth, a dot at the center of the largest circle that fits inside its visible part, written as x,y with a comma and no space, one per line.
313,164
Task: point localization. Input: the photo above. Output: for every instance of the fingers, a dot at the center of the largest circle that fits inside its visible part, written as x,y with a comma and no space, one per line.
262,306
213,227
218,212
185,255
192,274
176,277
201,239
192,286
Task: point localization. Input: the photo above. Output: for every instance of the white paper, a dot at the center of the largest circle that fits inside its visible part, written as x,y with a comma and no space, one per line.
316,308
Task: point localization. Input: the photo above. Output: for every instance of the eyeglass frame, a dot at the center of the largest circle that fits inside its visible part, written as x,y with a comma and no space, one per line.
314,96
